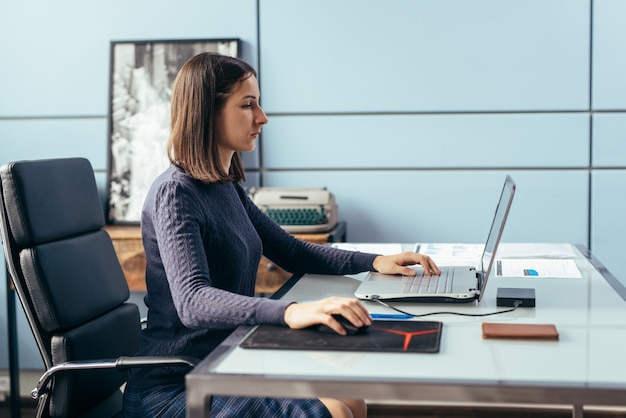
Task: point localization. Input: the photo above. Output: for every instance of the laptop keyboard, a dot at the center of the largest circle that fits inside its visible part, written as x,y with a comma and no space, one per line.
422,283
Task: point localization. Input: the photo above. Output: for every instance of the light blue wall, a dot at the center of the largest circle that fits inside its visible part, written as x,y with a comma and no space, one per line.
425,56
410,112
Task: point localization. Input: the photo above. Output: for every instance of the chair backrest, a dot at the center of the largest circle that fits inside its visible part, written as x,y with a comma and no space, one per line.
67,277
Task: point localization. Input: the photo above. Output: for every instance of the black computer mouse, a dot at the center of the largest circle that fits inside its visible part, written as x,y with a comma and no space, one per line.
350,328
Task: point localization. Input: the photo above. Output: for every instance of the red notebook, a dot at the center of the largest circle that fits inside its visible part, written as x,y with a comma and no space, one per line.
381,336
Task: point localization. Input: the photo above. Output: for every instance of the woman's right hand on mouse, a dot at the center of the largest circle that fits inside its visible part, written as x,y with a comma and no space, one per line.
302,315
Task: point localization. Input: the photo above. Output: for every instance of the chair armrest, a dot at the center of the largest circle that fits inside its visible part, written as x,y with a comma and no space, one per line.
121,363
130,362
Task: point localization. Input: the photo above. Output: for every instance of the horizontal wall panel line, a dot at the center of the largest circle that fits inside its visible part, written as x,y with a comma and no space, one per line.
473,112
610,110
61,117
372,169
529,112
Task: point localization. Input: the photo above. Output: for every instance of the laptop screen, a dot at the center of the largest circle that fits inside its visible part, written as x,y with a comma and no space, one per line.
495,233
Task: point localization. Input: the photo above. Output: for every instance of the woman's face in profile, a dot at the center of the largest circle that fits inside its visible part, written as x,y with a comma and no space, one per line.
240,120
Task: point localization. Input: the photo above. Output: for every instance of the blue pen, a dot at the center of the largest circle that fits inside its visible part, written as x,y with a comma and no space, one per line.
390,316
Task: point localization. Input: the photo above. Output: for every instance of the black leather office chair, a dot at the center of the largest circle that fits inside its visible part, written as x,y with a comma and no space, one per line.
71,286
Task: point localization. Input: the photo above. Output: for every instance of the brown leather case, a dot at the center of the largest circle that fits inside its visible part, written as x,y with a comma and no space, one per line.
520,331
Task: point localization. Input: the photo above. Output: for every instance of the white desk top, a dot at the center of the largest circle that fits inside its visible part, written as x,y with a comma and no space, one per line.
589,314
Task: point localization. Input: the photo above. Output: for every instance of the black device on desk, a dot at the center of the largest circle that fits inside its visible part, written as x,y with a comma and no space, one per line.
513,296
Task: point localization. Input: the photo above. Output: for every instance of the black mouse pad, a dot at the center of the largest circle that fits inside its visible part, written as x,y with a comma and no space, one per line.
381,336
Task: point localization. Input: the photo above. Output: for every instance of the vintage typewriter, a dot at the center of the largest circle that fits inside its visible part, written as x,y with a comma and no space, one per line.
304,210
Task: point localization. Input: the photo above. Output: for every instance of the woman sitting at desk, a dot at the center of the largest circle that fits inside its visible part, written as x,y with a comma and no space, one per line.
204,238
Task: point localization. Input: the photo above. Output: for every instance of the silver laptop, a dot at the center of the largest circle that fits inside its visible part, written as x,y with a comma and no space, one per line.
456,283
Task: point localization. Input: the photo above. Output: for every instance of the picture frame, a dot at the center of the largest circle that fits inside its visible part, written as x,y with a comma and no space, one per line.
141,77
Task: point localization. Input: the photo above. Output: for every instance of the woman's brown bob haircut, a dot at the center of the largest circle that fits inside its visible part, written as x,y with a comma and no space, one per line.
200,90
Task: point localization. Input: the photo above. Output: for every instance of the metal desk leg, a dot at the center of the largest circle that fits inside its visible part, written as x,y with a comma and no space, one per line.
14,370
198,404
577,411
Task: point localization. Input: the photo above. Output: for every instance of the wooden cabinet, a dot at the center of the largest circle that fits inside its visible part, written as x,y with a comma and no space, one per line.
129,249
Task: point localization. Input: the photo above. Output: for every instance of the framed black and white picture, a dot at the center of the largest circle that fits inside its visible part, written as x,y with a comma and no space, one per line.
142,74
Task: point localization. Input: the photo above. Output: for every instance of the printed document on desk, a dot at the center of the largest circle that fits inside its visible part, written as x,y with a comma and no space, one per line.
559,265
538,268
